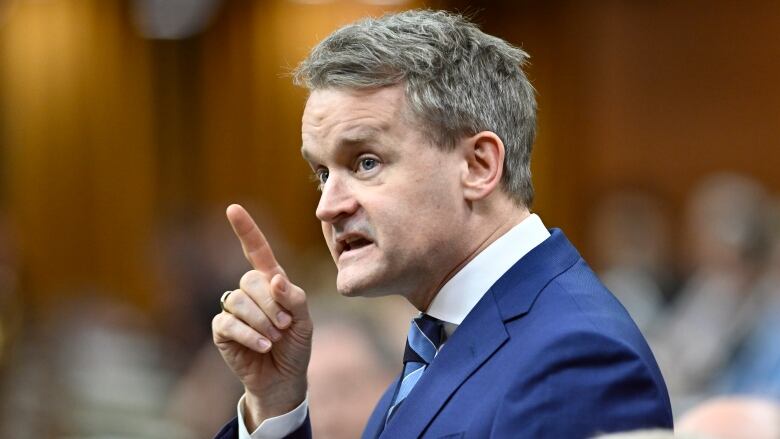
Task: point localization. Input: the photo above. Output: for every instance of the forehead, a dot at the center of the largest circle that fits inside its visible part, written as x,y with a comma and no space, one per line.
334,116
330,104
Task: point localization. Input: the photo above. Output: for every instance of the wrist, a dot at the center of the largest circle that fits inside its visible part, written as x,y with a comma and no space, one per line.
258,408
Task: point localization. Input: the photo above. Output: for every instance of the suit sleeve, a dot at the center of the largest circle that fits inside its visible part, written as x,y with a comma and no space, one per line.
584,383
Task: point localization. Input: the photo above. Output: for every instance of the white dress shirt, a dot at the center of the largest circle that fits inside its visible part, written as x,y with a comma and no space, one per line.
451,305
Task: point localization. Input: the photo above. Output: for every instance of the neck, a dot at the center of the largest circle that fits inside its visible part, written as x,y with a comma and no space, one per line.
487,234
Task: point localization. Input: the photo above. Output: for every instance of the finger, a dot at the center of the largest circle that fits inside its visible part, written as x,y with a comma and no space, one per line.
243,306
256,248
256,286
290,297
226,328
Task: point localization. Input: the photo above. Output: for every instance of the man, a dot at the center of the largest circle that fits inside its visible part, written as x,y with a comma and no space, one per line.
419,129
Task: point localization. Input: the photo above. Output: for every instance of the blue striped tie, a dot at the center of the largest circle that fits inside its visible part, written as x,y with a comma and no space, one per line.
422,345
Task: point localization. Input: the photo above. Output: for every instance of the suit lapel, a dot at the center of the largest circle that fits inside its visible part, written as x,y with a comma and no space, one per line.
477,338
376,422
517,289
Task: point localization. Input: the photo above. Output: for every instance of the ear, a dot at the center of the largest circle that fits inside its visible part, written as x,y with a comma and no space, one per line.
484,157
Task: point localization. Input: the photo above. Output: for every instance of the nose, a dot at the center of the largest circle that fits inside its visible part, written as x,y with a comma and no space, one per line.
337,200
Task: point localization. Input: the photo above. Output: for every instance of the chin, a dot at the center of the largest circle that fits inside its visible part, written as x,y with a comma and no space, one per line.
359,286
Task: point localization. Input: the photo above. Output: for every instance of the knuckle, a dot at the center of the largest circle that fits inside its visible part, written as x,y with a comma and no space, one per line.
250,280
268,304
232,327
268,327
261,323
214,330
220,321
246,336
220,326
235,300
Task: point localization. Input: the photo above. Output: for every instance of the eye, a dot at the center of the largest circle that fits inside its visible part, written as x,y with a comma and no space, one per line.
321,176
367,164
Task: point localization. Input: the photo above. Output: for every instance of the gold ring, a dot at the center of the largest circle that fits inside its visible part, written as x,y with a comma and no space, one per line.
223,299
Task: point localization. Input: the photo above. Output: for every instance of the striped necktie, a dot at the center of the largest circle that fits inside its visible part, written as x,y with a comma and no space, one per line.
422,345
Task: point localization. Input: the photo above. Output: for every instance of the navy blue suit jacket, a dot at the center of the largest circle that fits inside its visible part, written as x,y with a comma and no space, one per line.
547,352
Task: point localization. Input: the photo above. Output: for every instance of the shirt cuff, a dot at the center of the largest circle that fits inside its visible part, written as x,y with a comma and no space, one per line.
276,427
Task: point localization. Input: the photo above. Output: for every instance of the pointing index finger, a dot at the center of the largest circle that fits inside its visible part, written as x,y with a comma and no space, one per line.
256,248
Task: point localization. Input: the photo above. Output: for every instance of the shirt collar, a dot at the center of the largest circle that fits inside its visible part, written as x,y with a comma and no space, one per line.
461,293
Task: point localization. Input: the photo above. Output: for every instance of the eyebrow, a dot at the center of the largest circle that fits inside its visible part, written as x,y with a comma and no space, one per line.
361,135
349,141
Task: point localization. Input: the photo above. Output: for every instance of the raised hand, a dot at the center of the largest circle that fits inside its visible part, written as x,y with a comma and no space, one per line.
264,333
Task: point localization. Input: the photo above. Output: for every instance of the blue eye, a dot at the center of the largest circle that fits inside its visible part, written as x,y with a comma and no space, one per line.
322,175
368,163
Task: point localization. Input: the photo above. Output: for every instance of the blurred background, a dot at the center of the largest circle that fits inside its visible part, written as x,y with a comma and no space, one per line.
127,126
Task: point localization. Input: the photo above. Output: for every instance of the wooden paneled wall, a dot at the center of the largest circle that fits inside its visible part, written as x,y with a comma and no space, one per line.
650,95
104,133
78,157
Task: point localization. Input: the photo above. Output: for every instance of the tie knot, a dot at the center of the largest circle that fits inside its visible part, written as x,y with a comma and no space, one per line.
424,339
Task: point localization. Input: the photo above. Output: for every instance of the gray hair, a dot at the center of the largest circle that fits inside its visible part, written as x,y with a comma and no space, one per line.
458,80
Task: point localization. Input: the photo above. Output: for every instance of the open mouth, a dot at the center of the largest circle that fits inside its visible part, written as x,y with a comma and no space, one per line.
355,244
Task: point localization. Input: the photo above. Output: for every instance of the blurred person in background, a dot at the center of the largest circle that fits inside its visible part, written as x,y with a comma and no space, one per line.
97,367
754,369
419,129
353,360
719,418
203,394
727,233
630,232
94,368
732,418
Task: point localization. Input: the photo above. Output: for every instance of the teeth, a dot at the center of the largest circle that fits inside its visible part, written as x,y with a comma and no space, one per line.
351,242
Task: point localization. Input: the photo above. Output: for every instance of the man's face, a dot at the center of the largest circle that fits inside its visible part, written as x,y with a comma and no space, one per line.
391,202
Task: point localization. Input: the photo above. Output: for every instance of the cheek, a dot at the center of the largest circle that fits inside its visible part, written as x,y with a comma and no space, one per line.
415,226
437,206
413,213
